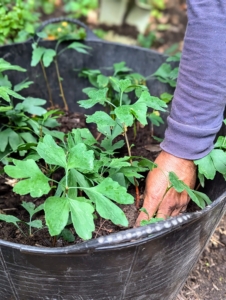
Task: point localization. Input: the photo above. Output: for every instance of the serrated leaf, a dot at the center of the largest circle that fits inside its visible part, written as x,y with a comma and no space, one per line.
124,114
206,166
79,47
139,111
151,101
37,55
102,81
5,108
5,92
32,106
28,137
102,120
29,206
178,184
96,96
48,57
35,223
4,138
14,139
166,97
219,160
80,158
199,198
108,210
83,134
9,219
82,217
120,67
51,152
114,191
221,142
124,84
120,162
56,214
22,85
35,182
5,66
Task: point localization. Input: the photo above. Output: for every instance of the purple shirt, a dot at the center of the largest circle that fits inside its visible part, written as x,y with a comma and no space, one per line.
200,96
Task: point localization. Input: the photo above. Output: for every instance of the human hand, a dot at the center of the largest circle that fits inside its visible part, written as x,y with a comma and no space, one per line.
157,182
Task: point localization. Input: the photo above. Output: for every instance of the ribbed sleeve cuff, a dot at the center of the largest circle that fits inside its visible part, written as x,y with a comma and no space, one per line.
188,142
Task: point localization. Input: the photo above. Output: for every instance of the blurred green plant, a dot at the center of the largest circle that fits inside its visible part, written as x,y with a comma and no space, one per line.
79,8
17,20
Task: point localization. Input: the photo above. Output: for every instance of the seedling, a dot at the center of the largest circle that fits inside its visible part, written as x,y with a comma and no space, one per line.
46,56
30,208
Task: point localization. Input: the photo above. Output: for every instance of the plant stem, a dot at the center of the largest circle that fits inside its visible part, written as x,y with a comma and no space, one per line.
60,85
47,84
131,161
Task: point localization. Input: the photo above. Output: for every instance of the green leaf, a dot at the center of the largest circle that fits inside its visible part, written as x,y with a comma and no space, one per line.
14,139
56,214
42,35
5,92
121,68
178,184
5,108
102,81
206,166
120,162
102,120
37,55
199,198
22,85
151,101
48,57
9,219
51,152
30,208
4,138
166,97
150,221
124,114
82,217
124,84
36,183
6,66
139,111
28,137
114,191
80,158
35,223
219,160
107,209
79,47
67,235
32,106
83,134
95,96
221,142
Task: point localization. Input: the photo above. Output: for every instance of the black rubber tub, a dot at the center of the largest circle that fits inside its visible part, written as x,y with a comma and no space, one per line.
150,262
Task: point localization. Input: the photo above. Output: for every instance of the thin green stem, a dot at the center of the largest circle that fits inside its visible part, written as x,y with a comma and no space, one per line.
131,161
60,85
47,84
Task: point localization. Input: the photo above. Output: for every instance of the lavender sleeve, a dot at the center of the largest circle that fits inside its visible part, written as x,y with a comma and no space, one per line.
200,96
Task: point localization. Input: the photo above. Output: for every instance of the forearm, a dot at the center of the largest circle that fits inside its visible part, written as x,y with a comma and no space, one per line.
200,97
